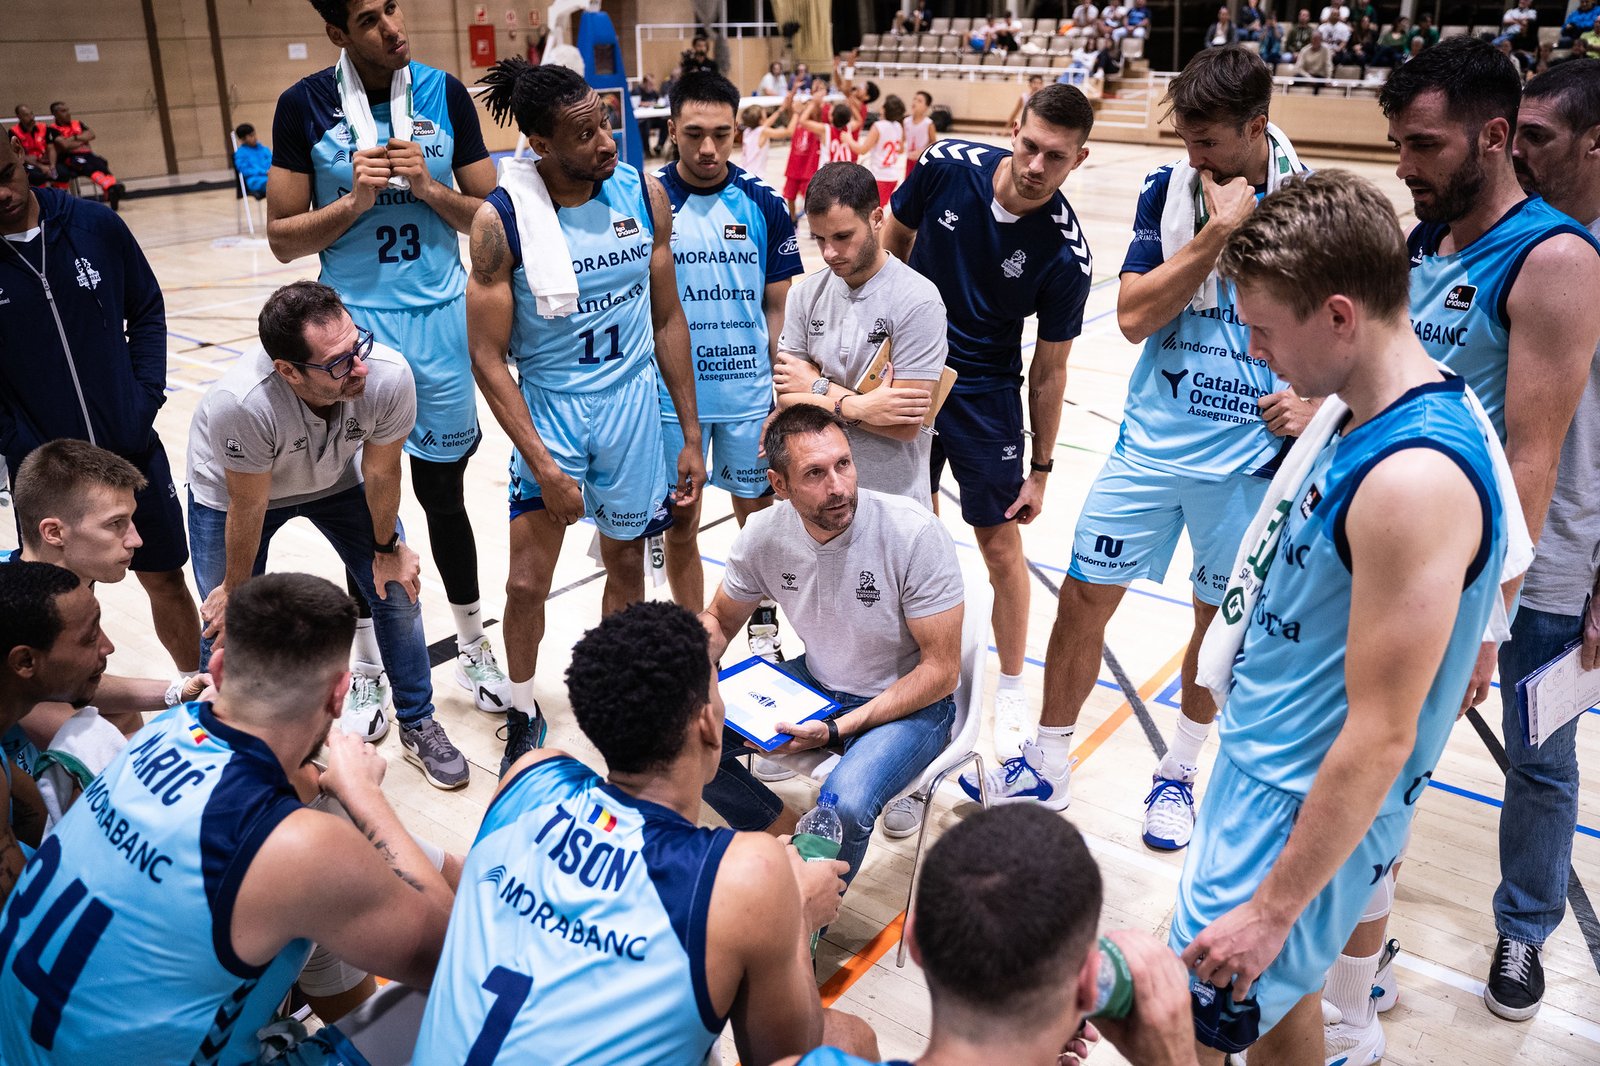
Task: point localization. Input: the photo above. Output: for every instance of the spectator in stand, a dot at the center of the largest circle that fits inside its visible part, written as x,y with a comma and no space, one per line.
71,139
1222,32
1250,20
773,82
1521,60
1136,22
1520,26
921,17
1579,22
1335,33
1592,42
801,82
1271,41
1112,19
1314,61
1085,17
1414,49
1542,60
1328,13
1004,34
1299,34
978,37
1361,48
252,160
1580,50
650,96
32,142
1392,45
1426,30
699,56
901,26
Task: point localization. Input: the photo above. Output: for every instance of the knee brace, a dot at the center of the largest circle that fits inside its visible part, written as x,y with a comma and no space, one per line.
325,974
1382,900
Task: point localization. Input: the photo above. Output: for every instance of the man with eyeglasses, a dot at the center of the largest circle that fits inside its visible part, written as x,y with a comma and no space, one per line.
310,425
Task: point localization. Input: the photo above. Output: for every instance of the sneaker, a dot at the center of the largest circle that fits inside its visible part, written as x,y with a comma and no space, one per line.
366,704
1020,779
1012,724
522,734
115,194
440,761
762,632
1516,981
1345,1044
1385,989
903,817
769,771
479,673
1169,813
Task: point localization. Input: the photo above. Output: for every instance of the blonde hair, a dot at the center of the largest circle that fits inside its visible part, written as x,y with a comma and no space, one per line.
1329,233
750,117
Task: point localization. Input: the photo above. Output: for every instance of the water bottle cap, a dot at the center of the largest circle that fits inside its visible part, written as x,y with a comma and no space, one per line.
827,799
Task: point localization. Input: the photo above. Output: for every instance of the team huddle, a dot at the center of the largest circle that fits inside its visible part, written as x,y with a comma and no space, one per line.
1308,373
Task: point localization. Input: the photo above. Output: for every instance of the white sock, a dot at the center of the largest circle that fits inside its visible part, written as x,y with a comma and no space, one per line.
1009,683
522,696
1183,758
1055,747
469,623
1349,987
365,649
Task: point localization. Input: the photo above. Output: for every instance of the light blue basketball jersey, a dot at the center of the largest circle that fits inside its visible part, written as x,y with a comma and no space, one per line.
831,1056
1458,301
610,336
399,253
728,244
116,944
1192,395
578,933
1288,701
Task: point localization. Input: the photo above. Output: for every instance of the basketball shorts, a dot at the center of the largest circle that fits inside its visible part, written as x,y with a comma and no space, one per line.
434,341
1238,837
794,186
980,436
609,441
731,451
1131,519
158,516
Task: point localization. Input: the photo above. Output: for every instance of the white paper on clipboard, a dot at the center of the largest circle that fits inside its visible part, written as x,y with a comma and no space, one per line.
757,696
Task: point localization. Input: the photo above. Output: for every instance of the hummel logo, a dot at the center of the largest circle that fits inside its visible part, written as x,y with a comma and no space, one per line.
1073,236
493,877
299,445
949,220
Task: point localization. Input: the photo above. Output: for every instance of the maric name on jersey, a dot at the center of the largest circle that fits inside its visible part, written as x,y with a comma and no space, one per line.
711,256
1433,333
716,292
135,852
611,259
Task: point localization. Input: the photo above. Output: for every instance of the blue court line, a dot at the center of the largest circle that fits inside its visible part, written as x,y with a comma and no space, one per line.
1491,801
205,344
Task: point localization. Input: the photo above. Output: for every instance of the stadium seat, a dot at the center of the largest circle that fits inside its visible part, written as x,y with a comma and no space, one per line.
1347,72
869,40
939,25
960,26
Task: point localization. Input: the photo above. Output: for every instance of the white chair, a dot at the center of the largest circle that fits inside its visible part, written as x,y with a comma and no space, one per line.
245,198
962,749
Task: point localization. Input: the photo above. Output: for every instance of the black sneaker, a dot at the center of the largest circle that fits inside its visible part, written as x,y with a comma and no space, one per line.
1516,981
115,194
522,734
762,633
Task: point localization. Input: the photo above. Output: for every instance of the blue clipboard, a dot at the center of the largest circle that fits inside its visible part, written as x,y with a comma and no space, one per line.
757,695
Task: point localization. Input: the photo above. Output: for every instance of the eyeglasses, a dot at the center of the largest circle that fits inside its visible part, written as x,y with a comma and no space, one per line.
341,367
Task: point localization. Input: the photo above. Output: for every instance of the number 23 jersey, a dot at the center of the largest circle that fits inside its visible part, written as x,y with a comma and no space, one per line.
399,253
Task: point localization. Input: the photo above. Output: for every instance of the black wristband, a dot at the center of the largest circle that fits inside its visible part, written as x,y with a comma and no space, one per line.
387,548
1043,468
833,730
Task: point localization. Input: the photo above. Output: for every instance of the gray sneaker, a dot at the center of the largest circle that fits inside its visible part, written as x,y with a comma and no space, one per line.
440,761
903,817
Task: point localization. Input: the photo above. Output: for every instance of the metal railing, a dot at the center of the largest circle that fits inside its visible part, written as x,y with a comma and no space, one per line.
685,31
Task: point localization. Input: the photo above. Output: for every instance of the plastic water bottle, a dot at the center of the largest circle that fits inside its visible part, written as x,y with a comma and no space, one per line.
1113,988
818,835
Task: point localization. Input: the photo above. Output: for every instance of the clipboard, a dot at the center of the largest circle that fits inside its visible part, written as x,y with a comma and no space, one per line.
873,377
757,696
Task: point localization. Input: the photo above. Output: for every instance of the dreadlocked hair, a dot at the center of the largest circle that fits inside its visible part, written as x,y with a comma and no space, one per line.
531,96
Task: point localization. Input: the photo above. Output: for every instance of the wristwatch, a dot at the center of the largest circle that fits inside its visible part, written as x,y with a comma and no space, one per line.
1043,468
821,386
838,411
387,547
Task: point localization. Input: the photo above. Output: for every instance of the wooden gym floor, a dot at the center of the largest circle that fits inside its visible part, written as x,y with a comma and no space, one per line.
215,278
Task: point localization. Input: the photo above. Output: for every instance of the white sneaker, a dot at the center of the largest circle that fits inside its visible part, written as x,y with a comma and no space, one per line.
1169,813
762,633
479,673
903,817
1385,989
1022,780
366,704
1012,724
1345,1044
767,770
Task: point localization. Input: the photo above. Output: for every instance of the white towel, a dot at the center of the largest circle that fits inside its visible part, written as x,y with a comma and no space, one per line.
1185,210
358,112
546,260
83,746
1219,650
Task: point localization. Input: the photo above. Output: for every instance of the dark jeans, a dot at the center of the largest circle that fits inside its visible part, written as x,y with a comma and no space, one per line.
876,766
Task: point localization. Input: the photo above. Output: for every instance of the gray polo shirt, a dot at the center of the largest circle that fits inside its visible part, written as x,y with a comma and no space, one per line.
251,422
849,599
840,329
1568,557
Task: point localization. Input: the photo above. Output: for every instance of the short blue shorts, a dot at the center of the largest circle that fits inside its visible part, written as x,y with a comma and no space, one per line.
980,436
1241,831
731,452
1133,514
158,516
609,441
434,341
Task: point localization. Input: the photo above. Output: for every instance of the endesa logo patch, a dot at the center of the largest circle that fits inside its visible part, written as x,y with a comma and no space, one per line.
626,227
1460,297
734,231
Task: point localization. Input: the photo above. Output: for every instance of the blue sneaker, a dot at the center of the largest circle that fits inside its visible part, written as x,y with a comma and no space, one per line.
522,733
1021,780
1169,813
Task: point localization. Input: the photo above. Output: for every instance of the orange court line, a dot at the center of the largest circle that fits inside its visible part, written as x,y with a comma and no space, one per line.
857,965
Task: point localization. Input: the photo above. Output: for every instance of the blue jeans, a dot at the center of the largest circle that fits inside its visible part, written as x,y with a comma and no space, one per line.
875,768
1541,806
344,519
